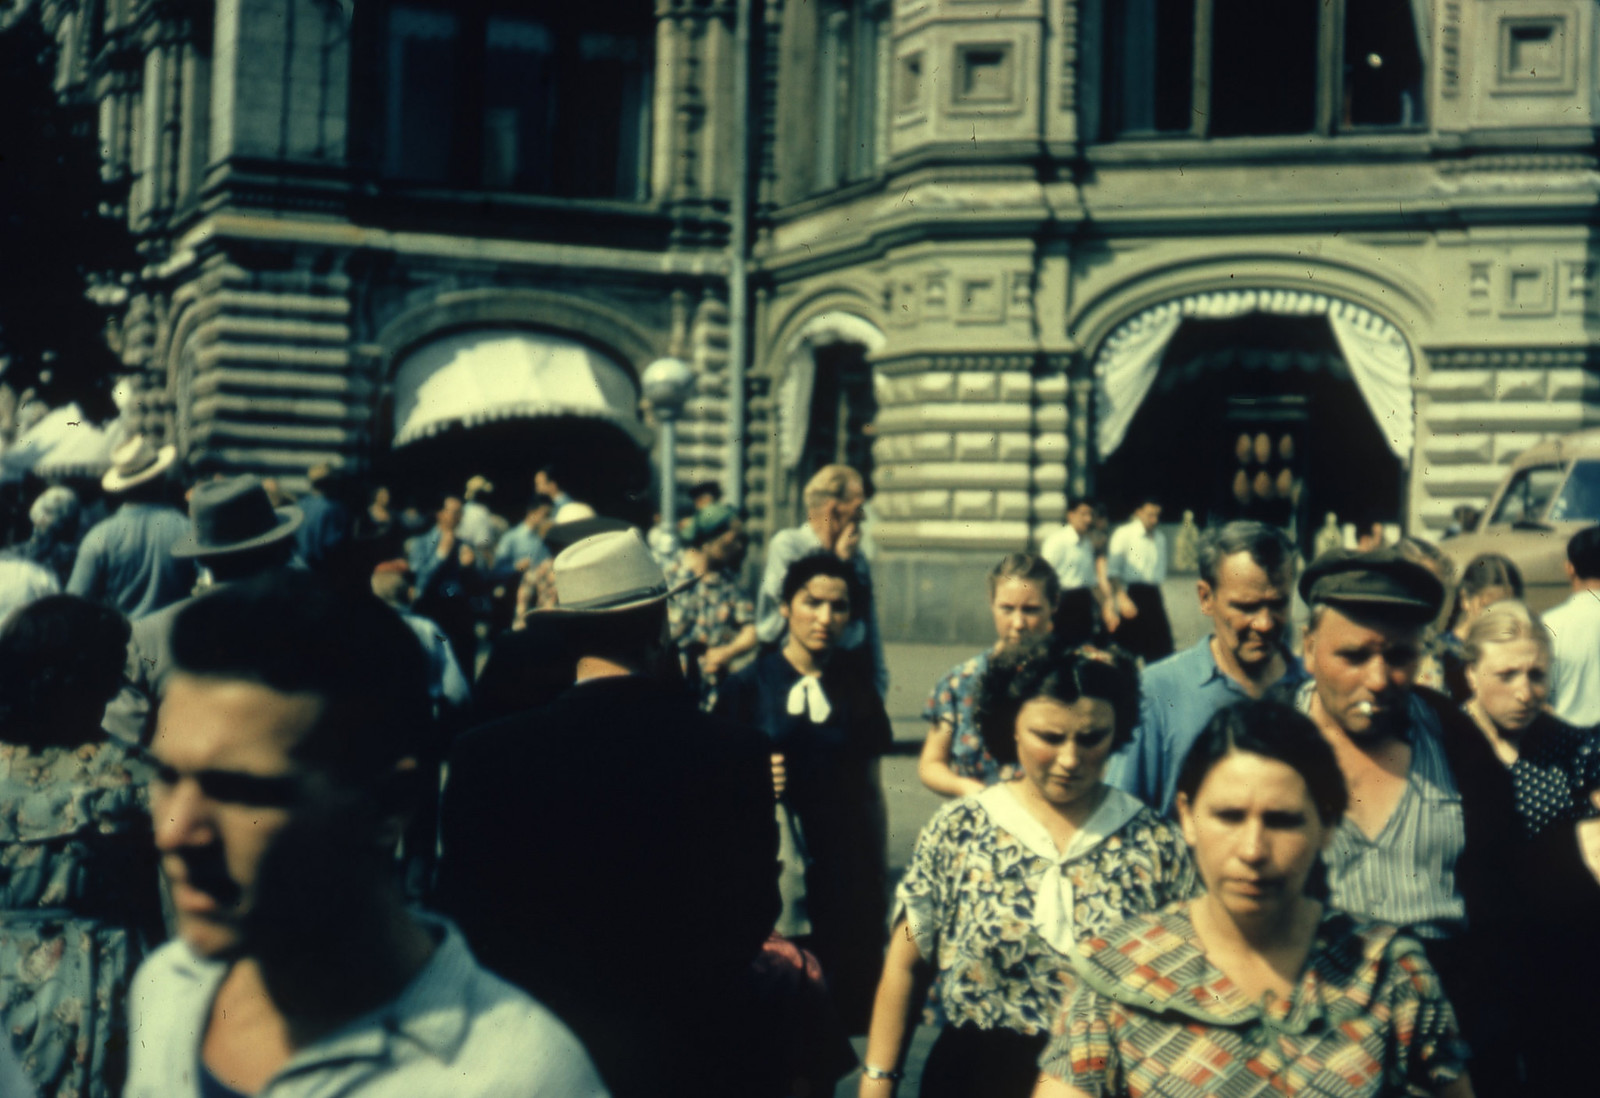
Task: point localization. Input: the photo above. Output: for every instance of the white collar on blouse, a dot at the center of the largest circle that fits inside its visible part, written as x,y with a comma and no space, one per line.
1053,903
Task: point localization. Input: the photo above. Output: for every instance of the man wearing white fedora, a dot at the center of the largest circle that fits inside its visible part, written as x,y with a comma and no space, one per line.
614,852
126,561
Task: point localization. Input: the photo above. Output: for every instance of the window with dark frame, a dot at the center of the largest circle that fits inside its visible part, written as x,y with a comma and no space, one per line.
550,99
1234,68
850,44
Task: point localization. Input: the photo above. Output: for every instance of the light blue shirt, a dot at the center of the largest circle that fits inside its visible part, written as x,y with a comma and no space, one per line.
446,684
788,546
455,1030
519,543
126,561
1177,696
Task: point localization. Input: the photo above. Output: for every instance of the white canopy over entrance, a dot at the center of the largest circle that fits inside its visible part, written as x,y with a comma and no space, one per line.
1376,352
491,374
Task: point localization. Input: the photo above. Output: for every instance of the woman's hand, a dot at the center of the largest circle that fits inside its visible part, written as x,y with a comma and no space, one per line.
876,1088
1589,839
780,777
1125,606
716,660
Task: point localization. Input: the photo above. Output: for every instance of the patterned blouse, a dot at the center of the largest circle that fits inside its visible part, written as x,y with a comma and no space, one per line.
708,613
78,899
1557,768
1153,1016
996,908
955,699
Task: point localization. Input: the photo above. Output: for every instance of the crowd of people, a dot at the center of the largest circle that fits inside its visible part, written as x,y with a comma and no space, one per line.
318,795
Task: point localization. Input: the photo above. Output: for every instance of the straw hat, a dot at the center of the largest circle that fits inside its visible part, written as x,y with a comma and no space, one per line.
606,574
136,462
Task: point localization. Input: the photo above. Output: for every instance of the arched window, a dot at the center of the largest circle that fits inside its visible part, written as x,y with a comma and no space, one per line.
1226,68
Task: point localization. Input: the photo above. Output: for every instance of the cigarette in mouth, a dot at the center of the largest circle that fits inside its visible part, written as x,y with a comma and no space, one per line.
1366,709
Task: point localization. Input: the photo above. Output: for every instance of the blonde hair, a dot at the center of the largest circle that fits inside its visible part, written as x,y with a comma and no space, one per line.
833,482
1506,620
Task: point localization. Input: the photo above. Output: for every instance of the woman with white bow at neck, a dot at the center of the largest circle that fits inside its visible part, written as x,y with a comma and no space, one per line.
828,728
1004,883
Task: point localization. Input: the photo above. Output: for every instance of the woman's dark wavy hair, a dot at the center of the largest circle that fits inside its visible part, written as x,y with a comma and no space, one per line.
1272,730
1047,668
822,563
61,659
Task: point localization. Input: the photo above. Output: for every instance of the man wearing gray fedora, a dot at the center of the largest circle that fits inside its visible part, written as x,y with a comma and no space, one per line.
614,853
235,533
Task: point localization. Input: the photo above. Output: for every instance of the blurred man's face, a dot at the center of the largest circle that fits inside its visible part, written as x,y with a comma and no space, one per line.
1148,515
538,520
1080,518
545,485
226,786
1248,609
450,513
1363,671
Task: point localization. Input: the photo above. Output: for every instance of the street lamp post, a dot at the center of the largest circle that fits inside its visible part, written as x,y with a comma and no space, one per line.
667,383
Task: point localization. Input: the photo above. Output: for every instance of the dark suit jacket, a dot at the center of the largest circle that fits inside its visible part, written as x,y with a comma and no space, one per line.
615,854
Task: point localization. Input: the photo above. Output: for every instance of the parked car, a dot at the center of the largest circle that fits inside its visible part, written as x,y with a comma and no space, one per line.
1550,493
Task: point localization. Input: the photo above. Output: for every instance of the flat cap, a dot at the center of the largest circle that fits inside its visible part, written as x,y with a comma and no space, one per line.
1380,581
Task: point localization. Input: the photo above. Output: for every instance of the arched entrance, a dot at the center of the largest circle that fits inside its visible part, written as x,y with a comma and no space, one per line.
827,401
504,402
1279,407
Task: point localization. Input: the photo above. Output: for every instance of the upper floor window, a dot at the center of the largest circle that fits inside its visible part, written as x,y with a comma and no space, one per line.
1226,68
851,50
541,98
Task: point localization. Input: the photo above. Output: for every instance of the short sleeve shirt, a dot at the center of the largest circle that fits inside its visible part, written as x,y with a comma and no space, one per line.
1152,1016
955,700
995,907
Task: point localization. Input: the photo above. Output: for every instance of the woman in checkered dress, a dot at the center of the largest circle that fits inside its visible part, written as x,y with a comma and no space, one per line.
1254,989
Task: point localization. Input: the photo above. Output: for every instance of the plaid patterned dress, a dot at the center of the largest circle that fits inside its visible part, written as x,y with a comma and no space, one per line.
1153,1017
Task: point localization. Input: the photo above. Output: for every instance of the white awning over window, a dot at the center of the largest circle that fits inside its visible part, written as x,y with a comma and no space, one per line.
800,374
1376,352
493,374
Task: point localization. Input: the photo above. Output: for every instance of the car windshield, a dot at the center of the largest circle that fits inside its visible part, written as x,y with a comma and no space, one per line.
1528,495
1579,500
1546,493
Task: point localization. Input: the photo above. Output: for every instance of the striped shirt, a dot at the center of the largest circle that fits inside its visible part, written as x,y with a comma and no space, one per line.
1406,874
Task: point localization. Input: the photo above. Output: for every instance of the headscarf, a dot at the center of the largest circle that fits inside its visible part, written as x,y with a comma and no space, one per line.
707,524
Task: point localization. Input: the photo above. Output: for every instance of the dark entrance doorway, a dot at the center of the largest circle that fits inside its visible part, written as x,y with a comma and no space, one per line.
594,461
843,407
1256,417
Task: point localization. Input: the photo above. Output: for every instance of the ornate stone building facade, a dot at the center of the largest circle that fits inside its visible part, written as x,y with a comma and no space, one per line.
1338,259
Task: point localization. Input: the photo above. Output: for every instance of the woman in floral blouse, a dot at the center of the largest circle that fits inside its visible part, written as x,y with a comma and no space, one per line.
78,899
1022,591
1003,883
1254,989
711,617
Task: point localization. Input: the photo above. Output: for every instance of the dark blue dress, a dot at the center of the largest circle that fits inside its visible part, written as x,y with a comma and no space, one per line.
833,792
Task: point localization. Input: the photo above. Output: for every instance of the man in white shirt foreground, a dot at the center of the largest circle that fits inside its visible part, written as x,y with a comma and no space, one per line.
1575,635
284,778
1136,564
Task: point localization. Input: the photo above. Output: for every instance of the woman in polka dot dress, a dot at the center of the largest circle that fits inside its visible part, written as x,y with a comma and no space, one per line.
1555,769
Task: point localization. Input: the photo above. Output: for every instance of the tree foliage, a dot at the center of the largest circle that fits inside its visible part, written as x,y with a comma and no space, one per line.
58,233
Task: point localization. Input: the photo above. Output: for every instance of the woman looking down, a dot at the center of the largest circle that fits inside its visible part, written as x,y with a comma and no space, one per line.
1253,988
1022,591
1004,883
